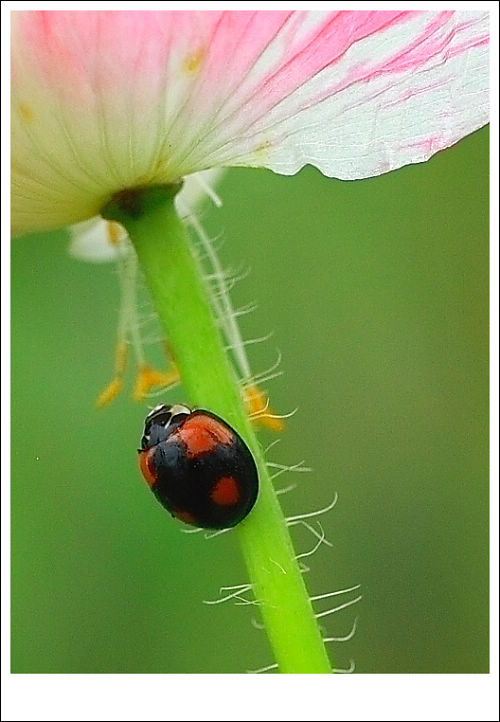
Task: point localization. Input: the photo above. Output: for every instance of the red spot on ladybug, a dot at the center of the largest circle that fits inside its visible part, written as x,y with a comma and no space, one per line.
184,516
201,434
146,465
225,491
198,467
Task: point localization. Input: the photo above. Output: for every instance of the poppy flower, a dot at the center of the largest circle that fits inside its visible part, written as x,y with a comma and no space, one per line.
103,101
111,109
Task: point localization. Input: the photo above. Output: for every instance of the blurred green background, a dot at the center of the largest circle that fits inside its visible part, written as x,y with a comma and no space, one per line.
377,293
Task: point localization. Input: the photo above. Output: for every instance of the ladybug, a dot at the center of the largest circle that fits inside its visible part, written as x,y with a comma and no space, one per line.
197,466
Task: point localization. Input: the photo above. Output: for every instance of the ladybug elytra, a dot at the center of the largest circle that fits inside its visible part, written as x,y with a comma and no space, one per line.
197,466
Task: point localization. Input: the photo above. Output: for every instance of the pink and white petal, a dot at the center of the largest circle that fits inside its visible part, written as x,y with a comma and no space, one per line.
196,189
94,96
108,100
356,94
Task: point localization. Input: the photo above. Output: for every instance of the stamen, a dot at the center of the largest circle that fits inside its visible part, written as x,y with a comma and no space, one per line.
200,179
223,305
148,377
116,384
109,394
115,233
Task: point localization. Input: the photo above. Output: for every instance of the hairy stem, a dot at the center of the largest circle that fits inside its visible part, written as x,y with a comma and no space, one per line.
181,299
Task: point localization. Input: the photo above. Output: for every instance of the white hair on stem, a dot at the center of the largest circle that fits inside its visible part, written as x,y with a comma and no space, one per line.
240,589
315,547
283,468
339,608
314,513
310,528
252,341
256,625
213,534
285,490
247,602
222,302
347,637
220,282
349,670
334,594
270,446
262,669
242,311
216,243
192,531
257,379
264,413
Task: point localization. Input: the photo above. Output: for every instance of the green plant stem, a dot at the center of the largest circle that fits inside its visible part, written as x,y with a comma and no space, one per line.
179,293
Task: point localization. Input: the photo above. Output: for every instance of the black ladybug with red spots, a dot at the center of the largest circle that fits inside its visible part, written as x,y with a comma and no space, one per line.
198,467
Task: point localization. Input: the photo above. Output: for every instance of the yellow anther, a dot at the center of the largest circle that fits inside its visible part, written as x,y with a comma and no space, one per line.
116,384
110,393
148,377
114,232
259,410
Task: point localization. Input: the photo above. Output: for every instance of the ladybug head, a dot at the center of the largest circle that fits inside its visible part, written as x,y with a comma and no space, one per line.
160,422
